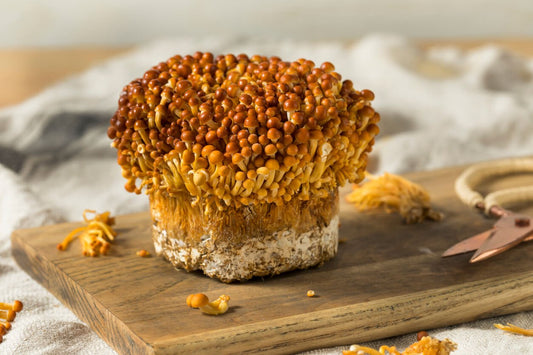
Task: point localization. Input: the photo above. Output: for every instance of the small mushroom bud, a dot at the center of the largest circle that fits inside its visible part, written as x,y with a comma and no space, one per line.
292,149
289,161
200,177
257,148
232,147
270,149
211,137
206,150
272,164
187,136
188,157
421,334
367,112
298,118
273,134
290,105
367,94
143,253
302,135
216,157
288,127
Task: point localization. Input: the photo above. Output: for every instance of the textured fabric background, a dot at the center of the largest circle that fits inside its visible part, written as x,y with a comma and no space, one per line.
439,108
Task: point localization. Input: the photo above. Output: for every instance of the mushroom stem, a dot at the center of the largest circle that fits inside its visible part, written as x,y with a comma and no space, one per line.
63,245
270,180
249,186
263,173
236,188
8,315
317,171
313,145
218,306
144,136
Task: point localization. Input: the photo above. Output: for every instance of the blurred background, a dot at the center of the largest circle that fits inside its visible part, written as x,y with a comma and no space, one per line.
118,23
56,38
440,107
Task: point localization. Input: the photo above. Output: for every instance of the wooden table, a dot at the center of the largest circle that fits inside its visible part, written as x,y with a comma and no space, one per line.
25,72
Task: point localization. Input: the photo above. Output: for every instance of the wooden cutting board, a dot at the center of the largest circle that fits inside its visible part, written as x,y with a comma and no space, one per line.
388,279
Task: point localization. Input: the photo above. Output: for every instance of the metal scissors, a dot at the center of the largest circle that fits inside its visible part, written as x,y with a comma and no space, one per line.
511,228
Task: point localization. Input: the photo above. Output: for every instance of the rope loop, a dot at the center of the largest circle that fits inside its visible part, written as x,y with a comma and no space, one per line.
466,183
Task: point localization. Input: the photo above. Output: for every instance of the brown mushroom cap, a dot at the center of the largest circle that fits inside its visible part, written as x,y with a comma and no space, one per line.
196,123
197,300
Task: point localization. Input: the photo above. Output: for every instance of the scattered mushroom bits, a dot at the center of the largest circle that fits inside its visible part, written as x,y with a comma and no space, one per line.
95,237
514,329
218,306
143,253
394,193
16,306
425,346
6,325
8,313
242,158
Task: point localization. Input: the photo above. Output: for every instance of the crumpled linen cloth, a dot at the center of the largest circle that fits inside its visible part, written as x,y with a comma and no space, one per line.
439,107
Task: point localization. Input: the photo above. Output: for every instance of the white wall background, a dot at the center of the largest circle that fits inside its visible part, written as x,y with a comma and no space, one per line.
115,22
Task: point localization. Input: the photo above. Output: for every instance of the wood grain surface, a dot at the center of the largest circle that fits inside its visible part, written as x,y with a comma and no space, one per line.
388,279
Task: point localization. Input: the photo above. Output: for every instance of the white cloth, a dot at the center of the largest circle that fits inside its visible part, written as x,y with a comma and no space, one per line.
439,107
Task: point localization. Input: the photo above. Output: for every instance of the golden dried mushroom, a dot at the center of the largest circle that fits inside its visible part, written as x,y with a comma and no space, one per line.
426,345
239,130
8,312
200,300
96,237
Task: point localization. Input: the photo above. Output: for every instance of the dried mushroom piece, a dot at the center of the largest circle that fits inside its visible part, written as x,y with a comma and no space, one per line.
394,193
8,313
425,346
514,329
217,307
96,237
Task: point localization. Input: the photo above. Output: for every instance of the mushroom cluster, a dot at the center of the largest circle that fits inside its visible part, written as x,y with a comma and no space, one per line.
238,130
242,158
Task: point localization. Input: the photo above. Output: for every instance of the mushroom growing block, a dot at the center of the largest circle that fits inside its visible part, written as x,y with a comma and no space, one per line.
242,158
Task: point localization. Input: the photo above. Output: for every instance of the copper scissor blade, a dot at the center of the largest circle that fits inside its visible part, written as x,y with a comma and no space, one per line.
469,244
500,241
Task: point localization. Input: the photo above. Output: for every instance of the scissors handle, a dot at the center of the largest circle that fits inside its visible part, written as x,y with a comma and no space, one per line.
474,175
508,196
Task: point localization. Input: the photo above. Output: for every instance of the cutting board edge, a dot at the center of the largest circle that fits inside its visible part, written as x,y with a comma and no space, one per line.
122,338
350,320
